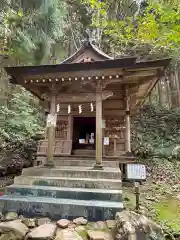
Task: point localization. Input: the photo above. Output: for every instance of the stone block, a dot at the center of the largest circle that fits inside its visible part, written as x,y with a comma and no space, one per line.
74,172
70,193
60,208
81,161
69,182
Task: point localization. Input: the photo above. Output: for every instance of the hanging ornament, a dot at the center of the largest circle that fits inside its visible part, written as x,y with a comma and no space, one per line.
80,109
69,108
58,107
92,107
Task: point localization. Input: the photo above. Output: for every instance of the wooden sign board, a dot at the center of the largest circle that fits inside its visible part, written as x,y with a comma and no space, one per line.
51,120
136,171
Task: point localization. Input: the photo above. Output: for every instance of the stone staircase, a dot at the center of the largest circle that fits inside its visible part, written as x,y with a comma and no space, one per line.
66,191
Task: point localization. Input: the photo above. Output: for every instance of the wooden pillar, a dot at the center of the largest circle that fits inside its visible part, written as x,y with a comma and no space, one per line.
128,125
98,164
51,133
70,127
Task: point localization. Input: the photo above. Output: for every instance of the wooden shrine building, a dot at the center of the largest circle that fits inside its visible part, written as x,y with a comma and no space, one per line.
91,99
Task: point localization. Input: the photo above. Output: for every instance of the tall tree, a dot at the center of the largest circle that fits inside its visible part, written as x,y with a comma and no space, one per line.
32,28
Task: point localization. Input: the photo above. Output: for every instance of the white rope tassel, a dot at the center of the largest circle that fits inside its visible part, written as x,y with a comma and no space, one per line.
80,109
58,108
69,108
92,107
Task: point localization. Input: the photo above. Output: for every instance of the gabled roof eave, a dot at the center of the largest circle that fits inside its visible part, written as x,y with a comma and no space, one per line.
86,45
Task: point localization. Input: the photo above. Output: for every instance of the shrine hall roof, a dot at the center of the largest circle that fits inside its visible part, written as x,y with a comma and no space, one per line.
130,63
87,57
89,63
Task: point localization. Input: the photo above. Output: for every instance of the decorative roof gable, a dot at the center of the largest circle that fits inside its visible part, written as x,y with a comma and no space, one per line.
87,53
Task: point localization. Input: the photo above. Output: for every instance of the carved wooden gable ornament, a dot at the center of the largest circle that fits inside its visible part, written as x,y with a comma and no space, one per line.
88,52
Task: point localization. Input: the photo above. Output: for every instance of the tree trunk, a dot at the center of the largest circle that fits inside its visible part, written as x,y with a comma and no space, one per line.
168,97
173,91
177,85
160,93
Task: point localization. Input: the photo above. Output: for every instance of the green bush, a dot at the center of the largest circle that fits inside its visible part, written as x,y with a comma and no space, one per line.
23,121
156,132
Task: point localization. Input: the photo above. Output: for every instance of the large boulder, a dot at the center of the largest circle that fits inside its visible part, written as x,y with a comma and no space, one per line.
11,216
80,221
67,234
16,227
29,222
8,236
43,232
134,226
99,235
63,223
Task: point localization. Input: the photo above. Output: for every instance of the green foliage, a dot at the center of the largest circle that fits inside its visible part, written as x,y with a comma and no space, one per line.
148,29
30,31
22,120
156,133
168,213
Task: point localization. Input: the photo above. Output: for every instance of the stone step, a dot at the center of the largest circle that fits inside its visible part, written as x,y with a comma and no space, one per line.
60,208
73,172
84,152
73,160
70,193
81,161
68,182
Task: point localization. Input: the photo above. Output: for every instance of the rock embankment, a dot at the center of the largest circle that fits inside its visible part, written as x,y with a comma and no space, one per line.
126,226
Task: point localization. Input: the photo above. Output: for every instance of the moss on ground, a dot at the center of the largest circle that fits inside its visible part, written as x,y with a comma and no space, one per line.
92,226
83,234
168,212
166,208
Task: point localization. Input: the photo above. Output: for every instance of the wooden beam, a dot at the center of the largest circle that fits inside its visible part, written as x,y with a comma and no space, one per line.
82,97
153,83
77,74
138,73
114,113
113,104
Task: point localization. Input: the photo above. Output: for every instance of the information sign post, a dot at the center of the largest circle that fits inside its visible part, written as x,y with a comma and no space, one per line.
136,173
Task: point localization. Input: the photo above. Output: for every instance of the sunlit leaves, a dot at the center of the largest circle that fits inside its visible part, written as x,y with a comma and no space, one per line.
157,24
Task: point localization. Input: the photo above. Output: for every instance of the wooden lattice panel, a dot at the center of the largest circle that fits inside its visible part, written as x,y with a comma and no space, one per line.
114,129
61,129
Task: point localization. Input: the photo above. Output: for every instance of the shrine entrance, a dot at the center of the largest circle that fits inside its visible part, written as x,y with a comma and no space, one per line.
84,133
